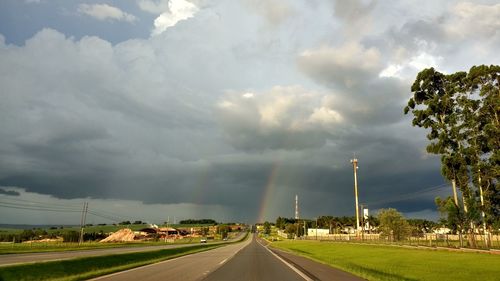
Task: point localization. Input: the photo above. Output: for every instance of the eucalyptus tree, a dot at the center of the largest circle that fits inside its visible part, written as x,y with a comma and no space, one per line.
481,111
434,107
462,112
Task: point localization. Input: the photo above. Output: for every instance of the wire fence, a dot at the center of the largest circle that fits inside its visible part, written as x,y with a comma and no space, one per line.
476,241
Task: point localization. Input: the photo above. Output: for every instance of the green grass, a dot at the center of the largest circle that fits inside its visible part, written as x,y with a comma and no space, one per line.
85,268
393,263
18,248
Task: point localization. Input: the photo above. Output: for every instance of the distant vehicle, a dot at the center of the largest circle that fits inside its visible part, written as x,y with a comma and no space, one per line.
203,240
225,239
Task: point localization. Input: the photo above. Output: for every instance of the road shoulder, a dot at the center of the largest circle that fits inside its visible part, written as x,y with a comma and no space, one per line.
315,270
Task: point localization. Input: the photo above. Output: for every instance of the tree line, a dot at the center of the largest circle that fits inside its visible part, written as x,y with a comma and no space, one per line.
389,223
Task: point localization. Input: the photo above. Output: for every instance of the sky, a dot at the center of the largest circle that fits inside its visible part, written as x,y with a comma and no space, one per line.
161,110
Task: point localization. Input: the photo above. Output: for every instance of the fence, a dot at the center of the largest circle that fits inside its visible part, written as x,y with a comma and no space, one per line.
428,239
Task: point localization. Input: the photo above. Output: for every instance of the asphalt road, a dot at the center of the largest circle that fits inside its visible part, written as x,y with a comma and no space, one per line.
255,262
10,259
187,268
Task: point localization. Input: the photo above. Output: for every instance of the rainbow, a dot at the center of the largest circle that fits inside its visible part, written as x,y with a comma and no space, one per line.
268,191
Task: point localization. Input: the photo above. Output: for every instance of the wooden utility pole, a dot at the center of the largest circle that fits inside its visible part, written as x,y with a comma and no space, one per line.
82,221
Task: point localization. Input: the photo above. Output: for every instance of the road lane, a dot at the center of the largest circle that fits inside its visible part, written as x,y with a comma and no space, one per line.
186,268
255,263
10,259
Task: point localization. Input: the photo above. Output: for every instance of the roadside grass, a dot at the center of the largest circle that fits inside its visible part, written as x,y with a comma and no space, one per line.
392,263
35,247
85,268
91,267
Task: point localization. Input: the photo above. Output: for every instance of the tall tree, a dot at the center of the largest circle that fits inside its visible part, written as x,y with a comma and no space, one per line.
393,224
462,112
434,107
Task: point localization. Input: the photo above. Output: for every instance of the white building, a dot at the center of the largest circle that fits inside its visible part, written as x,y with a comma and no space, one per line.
320,232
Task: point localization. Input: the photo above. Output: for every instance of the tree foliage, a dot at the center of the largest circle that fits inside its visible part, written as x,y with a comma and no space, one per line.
461,113
393,225
267,228
198,221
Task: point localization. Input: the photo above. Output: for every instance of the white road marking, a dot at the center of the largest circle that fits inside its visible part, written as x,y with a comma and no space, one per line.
223,261
300,273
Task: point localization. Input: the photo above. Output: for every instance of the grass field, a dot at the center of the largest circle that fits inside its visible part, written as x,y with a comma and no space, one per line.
85,268
17,248
100,228
394,263
12,248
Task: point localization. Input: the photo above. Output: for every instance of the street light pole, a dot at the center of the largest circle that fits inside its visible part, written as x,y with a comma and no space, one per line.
355,168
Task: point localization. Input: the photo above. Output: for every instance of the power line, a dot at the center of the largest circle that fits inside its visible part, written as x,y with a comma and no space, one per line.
408,196
36,202
35,208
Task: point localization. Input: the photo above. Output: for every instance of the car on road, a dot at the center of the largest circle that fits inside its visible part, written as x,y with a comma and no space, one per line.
225,239
203,240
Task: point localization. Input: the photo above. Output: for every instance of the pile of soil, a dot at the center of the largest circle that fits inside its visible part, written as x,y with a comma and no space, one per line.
122,235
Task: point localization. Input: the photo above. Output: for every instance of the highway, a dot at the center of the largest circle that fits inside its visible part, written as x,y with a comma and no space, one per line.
10,259
245,261
191,267
255,262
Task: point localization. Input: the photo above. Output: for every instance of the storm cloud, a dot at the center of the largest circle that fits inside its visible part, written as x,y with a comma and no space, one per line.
229,108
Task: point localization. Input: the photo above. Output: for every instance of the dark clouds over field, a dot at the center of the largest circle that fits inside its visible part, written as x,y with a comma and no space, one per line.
226,108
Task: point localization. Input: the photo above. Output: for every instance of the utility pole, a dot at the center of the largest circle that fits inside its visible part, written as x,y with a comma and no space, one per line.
316,228
297,213
296,207
354,162
363,222
82,221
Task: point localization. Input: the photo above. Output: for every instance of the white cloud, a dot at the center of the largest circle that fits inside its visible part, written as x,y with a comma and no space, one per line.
408,68
153,6
248,95
393,70
424,60
263,120
274,11
105,12
177,10
325,115
471,19
347,65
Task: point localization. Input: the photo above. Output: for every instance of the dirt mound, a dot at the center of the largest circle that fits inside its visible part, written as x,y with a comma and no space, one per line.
122,235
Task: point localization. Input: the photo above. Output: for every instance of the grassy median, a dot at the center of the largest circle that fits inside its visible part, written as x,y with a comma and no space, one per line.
393,263
85,268
21,248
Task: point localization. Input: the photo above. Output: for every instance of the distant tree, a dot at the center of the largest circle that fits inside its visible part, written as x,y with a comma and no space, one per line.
267,228
71,236
291,230
421,226
223,230
124,223
280,223
204,231
138,222
198,221
393,225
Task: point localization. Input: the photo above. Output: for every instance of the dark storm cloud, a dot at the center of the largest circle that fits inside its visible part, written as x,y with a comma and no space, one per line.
235,109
